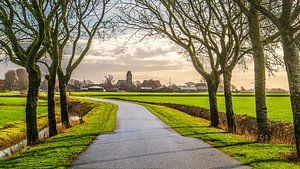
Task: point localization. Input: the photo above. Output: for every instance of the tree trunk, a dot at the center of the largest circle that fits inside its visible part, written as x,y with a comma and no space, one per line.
260,77
63,100
212,93
228,101
292,64
51,103
34,77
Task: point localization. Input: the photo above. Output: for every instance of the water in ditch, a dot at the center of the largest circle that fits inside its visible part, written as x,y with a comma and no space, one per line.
43,134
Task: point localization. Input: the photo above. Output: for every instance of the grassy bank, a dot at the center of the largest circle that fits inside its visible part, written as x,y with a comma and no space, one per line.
59,151
257,155
12,118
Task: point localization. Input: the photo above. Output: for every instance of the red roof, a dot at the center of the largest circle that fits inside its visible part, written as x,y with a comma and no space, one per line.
151,83
2,82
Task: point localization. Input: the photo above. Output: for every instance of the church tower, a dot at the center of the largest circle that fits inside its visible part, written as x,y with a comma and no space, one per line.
129,78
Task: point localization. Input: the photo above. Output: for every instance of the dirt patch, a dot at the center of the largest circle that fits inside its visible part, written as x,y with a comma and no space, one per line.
282,133
7,126
80,108
15,140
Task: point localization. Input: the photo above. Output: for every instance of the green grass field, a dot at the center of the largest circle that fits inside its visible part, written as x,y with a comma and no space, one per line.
103,119
257,155
166,94
13,109
279,107
10,94
12,118
59,151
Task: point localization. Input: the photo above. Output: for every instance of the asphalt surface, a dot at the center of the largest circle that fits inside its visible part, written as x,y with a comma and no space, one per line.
142,141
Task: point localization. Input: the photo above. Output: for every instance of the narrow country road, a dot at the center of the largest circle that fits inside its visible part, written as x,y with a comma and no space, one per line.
142,141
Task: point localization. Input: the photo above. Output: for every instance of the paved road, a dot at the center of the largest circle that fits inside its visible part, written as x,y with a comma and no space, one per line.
142,141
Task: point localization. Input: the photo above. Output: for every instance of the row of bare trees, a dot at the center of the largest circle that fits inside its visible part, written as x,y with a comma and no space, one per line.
53,33
217,35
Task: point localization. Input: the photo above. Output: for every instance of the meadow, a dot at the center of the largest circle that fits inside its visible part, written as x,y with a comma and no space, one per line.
74,140
12,117
59,151
168,94
279,107
12,109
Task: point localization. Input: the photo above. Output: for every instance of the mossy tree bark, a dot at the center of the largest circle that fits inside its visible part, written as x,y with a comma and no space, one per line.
14,18
86,27
51,100
287,21
260,76
292,64
228,101
34,76
63,99
213,84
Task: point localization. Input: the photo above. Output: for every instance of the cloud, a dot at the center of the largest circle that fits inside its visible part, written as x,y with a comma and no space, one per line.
138,55
153,58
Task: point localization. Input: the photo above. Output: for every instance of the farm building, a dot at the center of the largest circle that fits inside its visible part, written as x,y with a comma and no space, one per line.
188,88
154,84
96,89
2,84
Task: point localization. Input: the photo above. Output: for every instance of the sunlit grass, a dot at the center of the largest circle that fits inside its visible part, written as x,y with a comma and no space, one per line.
279,108
10,94
257,155
13,109
12,118
59,151
168,94
18,101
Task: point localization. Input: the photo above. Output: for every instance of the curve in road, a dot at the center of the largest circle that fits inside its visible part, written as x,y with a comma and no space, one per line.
142,141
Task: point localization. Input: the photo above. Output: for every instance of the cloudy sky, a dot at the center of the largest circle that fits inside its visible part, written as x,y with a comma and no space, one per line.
151,59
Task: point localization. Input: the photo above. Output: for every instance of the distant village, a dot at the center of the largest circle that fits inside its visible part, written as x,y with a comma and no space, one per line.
129,85
17,80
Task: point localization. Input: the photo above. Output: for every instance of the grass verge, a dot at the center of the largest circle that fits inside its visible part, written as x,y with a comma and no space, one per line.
257,155
59,151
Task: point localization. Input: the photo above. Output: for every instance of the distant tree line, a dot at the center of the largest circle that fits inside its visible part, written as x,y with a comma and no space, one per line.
16,80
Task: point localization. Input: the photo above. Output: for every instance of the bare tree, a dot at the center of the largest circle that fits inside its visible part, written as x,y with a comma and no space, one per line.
210,32
22,78
53,42
285,15
137,84
90,17
23,24
259,70
264,39
162,18
109,82
11,79
231,35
